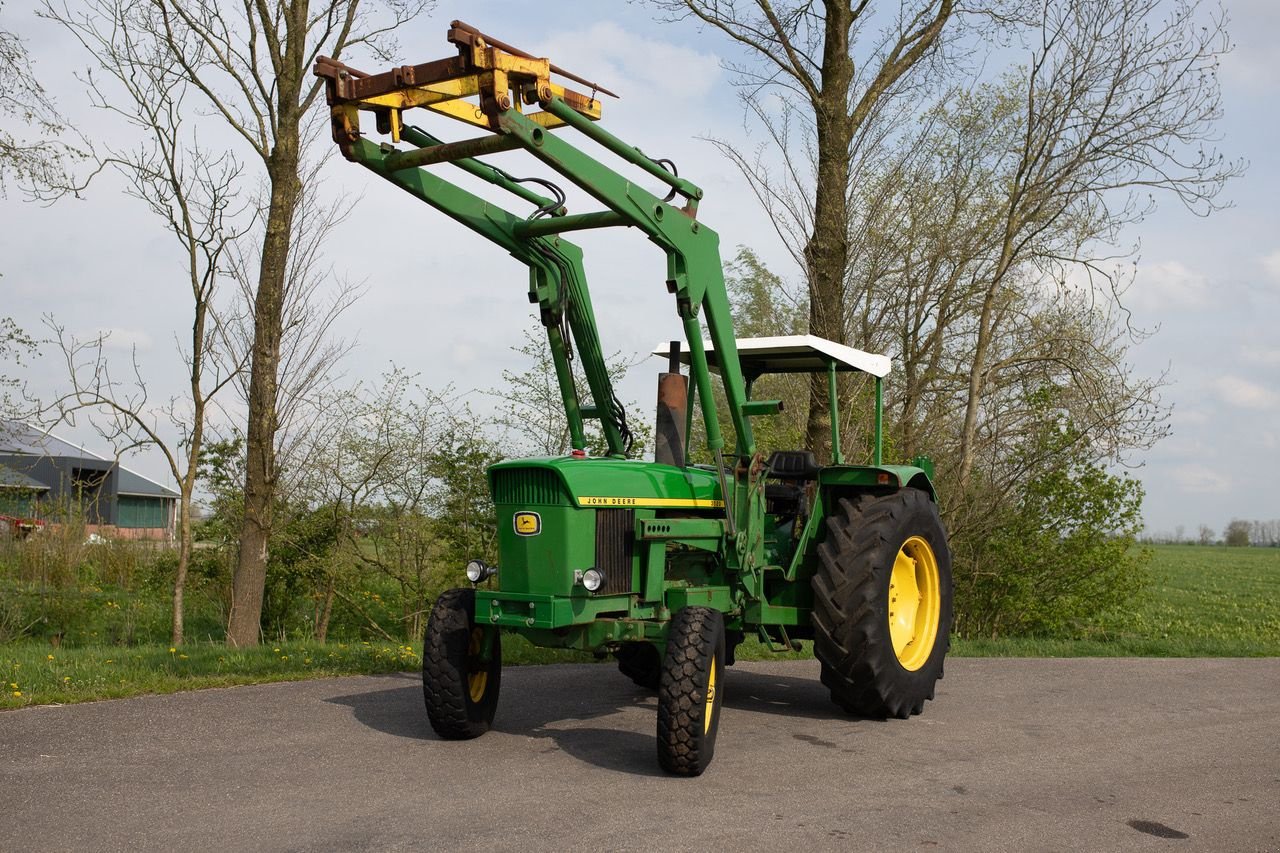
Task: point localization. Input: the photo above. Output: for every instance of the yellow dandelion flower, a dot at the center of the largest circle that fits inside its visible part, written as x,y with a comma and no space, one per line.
284,657
182,657
172,650
277,651
65,679
13,685
49,657
17,693
108,660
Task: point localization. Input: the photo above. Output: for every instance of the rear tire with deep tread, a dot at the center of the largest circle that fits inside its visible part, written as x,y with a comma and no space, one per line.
852,602
641,662
460,687
690,691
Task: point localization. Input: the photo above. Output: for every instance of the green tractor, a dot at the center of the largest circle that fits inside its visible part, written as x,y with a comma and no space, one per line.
667,565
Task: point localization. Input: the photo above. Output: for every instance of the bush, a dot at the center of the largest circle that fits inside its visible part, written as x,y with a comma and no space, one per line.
1063,552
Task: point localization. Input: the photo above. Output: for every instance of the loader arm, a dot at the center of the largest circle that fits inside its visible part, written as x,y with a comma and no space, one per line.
503,82
557,282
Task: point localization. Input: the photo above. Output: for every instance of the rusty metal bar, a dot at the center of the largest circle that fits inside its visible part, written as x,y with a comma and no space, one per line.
502,45
422,139
350,84
451,151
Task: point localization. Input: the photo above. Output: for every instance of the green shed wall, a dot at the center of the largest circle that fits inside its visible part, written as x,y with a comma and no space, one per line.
135,511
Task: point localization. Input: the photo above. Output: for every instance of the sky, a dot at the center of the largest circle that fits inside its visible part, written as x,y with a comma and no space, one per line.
439,301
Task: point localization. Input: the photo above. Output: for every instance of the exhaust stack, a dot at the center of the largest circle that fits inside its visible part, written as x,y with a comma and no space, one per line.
672,421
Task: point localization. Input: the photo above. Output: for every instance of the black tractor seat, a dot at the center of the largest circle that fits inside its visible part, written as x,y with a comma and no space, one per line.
793,465
792,469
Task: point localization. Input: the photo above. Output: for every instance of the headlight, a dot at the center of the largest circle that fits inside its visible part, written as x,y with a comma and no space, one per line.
478,571
593,579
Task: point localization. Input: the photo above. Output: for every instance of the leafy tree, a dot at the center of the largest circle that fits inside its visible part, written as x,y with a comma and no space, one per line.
817,74
1236,534
532,411
15,345
1063,551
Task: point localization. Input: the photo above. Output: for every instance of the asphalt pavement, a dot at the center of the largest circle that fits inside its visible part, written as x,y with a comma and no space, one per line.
1014,754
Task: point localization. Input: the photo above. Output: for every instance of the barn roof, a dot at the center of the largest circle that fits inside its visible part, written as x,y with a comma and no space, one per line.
11,479
23,439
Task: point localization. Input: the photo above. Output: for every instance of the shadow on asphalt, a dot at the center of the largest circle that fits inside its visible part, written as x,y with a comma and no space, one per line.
536,702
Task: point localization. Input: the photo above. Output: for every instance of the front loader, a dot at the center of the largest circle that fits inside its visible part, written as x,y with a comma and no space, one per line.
667,565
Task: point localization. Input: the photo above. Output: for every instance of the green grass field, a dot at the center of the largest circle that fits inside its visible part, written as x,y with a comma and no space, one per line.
1205,601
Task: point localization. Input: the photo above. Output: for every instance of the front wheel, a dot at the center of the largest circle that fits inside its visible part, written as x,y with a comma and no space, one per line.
690,691
882,603
461,668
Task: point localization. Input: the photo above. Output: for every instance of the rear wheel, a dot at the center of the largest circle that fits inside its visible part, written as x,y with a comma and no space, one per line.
882,603
461,668
690,691
640,662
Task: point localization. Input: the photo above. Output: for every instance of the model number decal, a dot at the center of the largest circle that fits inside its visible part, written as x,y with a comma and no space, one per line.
699,503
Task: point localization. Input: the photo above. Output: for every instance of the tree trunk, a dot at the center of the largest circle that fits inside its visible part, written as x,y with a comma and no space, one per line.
184,560
322,624
260,461
827,252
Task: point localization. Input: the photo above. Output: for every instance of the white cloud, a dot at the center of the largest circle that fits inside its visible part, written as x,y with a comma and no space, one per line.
635,67
1245,394
1271,263
1201,479
1266,357
1168,285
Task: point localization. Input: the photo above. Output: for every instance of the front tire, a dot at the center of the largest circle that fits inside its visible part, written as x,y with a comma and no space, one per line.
461,668
690,691
882,603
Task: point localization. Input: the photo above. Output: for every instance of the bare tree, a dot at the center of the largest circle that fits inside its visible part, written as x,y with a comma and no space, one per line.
194,191
805,53
314,297
32,163
252,69
1120,100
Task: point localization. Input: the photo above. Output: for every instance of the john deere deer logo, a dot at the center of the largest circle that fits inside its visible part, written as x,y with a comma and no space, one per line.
528,524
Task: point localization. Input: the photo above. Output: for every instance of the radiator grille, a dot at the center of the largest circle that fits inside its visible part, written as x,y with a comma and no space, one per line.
526,487
615,543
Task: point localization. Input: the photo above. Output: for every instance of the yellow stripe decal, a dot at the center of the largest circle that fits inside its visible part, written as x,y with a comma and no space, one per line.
697,503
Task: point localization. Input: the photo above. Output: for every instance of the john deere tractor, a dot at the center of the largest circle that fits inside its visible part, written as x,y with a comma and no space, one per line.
667,565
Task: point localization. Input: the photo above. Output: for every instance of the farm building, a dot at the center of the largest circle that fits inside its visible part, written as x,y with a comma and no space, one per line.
45,477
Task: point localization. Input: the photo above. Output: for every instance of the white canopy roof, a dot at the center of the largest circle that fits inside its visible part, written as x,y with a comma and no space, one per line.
793,354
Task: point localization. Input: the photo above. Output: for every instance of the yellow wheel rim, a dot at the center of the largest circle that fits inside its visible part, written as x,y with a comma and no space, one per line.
915,603
711,697
477,681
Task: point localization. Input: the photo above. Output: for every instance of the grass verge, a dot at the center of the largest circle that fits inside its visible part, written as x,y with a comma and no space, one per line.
1205,602
38,675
